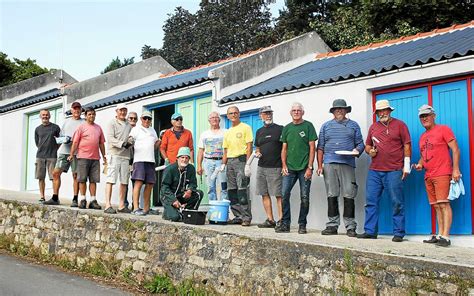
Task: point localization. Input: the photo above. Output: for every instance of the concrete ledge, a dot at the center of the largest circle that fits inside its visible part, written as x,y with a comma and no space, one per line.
237,260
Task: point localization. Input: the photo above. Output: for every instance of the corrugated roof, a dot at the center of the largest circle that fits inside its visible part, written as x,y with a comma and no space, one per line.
349,64
41,97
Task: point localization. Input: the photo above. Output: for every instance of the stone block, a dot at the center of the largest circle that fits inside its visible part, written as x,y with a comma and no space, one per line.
139,265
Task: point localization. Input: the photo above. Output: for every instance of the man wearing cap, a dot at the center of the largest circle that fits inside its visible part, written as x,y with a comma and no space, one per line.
297,157
46,155
388,143
132,119
174,138
62,163
336,135
237,150
118,168
210,157
145,142
435,143
179,187
88,140
268,152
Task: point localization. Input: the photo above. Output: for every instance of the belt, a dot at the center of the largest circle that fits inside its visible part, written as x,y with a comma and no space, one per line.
214,158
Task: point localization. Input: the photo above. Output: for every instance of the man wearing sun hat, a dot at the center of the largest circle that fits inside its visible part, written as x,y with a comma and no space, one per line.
179,187
174,138
118,168
337,135
388,143
435,143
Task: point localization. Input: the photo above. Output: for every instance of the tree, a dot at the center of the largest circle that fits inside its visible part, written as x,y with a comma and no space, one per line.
219,29
117,63
18,70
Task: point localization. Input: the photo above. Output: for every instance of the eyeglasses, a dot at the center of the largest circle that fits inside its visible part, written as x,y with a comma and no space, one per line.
146,118
296,111
179,119
132,118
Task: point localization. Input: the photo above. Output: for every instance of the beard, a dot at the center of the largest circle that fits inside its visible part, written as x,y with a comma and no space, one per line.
384,118
268,121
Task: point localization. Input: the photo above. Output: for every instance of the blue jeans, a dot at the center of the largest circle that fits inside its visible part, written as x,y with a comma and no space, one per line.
212,177
392,183
305,185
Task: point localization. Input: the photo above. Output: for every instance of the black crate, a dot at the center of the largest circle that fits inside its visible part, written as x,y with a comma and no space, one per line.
194,217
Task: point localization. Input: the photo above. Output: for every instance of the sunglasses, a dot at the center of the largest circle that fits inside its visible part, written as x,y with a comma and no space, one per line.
132,118
146,118
179,119
232,113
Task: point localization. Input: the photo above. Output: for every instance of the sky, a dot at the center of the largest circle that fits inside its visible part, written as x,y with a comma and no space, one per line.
82,37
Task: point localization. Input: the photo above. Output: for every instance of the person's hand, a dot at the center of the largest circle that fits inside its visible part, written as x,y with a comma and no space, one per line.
308,174
417,166
167,162
456,175
355,151
126,145
247,170
372,152
176,204
187,194
284,171
404,175
258,154
199,170
70,158
222,168
105,159
319,171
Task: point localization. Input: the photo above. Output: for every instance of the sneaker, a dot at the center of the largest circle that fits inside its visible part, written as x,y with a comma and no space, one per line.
302,229
153,212
125,210
432,240
74,203
397,239
42,200
82,204
139,212
351,233
267,224
109,210
246,223
234,221
94,205
282,228
330,230
442,242
366,235
51,202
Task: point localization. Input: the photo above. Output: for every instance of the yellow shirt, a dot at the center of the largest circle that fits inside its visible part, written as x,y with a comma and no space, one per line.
236,139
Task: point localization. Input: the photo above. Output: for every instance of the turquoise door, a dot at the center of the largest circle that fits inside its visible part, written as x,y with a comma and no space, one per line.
251,118
450,101
417,208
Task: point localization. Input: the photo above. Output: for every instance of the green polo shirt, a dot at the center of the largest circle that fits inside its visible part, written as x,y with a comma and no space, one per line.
297,137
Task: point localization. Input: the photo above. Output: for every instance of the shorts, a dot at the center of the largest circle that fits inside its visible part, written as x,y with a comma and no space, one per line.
88,169
437,189
269,181
118,167
144,171
63,164
41,165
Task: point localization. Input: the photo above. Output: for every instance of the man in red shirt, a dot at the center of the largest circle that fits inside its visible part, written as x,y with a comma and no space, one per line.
435,143
88,139
389,145
174,138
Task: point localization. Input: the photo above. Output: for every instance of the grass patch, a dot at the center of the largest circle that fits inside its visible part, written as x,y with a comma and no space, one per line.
162,284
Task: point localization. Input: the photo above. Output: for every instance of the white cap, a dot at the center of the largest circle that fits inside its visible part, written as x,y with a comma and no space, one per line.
121,106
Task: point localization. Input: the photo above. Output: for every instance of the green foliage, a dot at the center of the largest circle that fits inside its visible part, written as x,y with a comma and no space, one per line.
218,30
161,284
18,70
117,63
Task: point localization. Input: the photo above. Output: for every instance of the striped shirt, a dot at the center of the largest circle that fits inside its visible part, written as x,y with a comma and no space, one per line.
344,135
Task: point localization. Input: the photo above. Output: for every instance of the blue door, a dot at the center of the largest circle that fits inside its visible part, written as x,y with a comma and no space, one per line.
251,118
417,208
450,102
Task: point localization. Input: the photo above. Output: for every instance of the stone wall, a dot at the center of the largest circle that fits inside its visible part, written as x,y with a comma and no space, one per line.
229,263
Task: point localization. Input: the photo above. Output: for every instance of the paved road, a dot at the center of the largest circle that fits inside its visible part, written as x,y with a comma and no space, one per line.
18,278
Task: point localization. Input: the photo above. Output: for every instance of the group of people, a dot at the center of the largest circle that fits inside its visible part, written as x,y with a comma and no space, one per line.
285,154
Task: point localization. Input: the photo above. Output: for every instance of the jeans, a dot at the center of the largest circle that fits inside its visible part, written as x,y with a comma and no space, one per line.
305,185
392,183
213,178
